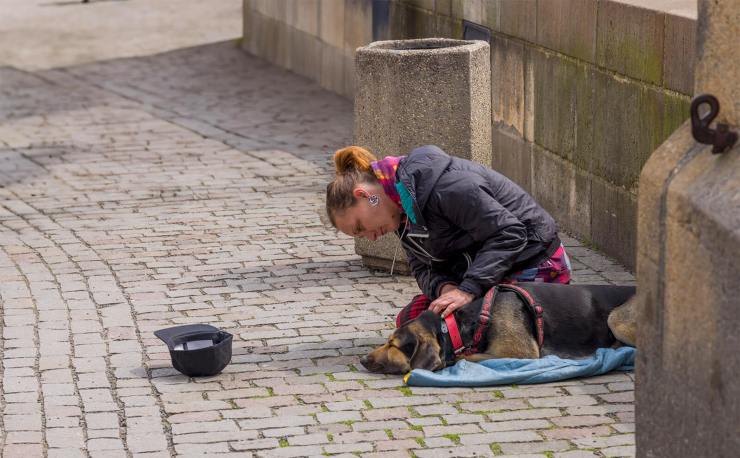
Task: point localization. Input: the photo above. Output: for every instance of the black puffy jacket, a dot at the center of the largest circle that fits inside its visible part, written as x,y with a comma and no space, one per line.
472,224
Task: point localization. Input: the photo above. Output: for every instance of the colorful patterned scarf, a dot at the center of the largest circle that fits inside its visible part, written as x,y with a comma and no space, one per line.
385,172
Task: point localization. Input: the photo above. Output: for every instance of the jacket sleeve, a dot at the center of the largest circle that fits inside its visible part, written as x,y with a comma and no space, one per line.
469,205
427,278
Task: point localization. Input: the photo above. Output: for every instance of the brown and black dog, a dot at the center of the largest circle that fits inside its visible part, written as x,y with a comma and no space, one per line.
578,319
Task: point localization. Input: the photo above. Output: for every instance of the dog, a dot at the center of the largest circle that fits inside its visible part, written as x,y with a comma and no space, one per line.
526,320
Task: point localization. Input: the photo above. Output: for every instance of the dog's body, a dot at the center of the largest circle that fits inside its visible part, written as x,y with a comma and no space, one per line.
578,319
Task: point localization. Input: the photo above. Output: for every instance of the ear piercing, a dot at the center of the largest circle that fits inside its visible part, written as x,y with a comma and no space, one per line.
374,200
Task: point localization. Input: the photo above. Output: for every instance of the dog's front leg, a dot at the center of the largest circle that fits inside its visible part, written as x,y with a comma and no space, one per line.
476,357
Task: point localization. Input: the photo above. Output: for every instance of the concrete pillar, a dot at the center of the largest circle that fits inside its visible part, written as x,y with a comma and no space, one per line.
417,92
688,270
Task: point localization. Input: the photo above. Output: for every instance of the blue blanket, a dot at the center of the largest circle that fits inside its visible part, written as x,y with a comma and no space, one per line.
507,371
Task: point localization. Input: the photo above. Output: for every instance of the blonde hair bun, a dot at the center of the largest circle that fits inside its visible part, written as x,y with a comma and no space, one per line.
353,159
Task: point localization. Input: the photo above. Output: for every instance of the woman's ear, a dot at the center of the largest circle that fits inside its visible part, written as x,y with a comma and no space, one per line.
359,193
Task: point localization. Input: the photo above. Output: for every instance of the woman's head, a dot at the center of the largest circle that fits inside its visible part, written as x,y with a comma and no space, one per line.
355,200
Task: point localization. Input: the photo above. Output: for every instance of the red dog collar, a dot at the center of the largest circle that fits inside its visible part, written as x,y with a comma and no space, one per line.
454,332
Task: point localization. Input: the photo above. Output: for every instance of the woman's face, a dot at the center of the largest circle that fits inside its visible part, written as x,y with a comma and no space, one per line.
365,220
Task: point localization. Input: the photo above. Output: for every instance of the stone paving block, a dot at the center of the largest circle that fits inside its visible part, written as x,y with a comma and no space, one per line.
64,438
576,433
25,450
625,450
431,431
24,437
66,452
514,425
533,447
500,437
459,451
576,454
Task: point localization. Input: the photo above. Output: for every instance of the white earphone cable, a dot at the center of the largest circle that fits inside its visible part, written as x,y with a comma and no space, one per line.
403,232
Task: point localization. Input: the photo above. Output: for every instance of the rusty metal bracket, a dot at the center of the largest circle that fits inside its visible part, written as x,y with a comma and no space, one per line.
722,138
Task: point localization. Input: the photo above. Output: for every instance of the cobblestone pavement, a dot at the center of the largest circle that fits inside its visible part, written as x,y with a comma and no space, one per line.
186,187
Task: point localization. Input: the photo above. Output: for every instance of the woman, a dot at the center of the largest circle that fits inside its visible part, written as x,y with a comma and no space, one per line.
465,228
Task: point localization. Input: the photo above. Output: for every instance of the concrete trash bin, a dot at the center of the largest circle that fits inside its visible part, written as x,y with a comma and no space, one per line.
410,93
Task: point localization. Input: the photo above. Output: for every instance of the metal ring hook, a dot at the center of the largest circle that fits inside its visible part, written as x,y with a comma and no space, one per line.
722,138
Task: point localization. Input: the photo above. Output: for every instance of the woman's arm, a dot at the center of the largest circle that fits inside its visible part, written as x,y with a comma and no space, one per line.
429,280
469,204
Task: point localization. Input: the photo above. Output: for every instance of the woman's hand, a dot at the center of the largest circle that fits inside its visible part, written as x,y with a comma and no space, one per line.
450,300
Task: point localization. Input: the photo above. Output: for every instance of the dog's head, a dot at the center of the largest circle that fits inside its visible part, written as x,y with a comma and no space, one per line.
412,346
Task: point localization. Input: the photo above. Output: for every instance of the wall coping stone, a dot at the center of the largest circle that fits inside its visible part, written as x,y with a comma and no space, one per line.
683,8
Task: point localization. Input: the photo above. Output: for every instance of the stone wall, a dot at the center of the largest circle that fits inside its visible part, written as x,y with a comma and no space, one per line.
582,91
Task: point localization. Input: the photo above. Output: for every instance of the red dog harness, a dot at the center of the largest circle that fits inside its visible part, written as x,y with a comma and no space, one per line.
485,318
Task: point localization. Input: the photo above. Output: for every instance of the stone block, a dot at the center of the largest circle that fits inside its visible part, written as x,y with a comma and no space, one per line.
420,23
283,52
688,199
562,114
262,40
397,21
680,54
507,82
358,24
305,54
518,18
248,18
529,97
470,10
303,15
427,5
718,65
416,92
569,27
349,75
650,257
614,220
332,68
511,155
443,7
562,190
331,13
630,40
490,14
448,27
631,121
652,179
273,9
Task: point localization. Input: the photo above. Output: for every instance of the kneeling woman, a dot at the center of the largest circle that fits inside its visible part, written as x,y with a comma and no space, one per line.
465,228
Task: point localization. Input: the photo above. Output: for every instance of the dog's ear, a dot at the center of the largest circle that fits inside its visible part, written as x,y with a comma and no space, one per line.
407,341
426,350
